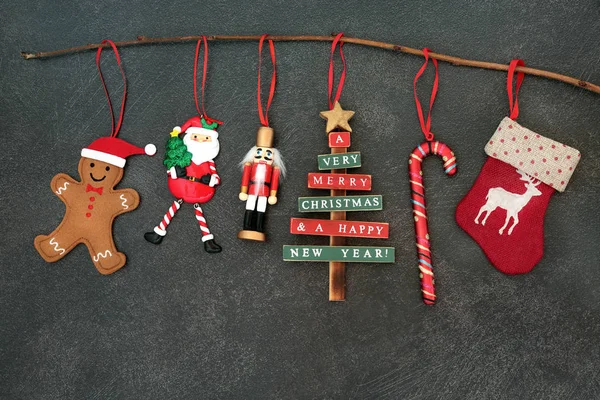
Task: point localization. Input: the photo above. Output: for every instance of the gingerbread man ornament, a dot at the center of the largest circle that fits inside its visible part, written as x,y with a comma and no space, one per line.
92,204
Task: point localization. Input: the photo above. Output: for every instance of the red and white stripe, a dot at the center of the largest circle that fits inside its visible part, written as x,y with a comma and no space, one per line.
213,172
161,229
206,235
415,172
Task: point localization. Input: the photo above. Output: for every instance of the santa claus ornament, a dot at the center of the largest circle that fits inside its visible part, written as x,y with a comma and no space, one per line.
262,166
192,174
93,203
504,210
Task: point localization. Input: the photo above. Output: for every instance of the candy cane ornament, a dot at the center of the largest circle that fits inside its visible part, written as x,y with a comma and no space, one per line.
417,188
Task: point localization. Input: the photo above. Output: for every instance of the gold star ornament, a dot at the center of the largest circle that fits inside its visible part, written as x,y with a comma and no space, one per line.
337,118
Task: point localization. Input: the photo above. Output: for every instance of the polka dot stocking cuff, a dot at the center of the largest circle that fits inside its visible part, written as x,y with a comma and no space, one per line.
545,159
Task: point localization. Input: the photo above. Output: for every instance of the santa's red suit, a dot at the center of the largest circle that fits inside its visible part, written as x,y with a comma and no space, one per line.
260,178
190,188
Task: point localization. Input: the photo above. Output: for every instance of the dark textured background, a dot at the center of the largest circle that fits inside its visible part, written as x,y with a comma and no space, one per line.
179,323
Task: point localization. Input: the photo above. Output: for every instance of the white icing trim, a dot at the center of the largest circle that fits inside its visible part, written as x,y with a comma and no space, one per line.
62,188
124,203
106,254
56,247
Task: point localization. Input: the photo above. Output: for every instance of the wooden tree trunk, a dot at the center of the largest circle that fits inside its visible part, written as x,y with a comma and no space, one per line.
337,270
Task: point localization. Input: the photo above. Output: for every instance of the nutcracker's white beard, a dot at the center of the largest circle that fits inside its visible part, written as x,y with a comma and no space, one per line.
201,151
277,159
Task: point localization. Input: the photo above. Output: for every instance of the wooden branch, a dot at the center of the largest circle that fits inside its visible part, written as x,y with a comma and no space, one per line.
365,42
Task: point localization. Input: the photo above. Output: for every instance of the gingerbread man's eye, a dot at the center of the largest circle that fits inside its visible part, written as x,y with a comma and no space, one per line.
92,165
108,168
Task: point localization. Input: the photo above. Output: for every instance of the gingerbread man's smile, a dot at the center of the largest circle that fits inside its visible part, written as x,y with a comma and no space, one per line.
97,180
92,165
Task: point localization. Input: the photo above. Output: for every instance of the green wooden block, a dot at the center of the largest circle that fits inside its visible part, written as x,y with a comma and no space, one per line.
339,161
339,253
340,203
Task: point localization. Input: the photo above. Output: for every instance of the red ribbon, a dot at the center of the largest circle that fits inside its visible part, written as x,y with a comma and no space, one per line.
338,93
514,105
426,126
202,112
205,63
113,132
264,117
90,188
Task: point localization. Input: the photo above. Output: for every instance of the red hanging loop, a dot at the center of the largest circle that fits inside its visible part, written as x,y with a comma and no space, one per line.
205,64
114,132
514,104
264,117
202,112
426,126
338,92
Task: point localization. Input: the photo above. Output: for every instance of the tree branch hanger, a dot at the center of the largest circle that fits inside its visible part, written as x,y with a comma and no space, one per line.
143,40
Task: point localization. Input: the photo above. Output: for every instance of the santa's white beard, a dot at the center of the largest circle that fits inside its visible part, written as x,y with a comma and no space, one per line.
201,151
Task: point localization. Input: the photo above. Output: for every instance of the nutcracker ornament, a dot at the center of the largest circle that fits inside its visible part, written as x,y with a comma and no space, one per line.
263,166
191,170
93,203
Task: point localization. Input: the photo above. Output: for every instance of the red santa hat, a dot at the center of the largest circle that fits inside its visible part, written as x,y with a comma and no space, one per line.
202,125
114,150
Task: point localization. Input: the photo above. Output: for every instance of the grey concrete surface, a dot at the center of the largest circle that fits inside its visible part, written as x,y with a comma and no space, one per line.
177,323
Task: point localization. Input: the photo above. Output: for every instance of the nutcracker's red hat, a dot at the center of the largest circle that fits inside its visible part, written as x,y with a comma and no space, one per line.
202,125
114,150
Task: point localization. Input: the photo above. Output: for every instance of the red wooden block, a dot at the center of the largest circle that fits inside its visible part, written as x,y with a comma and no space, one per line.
339,139
339,181
326,227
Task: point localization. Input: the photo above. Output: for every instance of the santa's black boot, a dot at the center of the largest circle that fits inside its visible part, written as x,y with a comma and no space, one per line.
248,217
260,221
153,237
210,246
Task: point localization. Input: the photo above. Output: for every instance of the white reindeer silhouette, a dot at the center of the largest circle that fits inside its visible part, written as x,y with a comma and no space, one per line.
511,202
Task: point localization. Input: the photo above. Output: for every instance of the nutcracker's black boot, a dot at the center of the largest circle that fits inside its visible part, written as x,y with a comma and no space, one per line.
260,221
248,217
153,237
210,246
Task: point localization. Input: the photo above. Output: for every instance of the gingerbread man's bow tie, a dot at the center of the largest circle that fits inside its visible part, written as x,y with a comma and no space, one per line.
90,188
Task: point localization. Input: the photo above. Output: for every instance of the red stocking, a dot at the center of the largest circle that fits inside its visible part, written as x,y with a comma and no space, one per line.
504,210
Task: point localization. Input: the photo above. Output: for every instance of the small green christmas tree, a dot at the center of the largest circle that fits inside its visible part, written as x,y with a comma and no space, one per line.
177,153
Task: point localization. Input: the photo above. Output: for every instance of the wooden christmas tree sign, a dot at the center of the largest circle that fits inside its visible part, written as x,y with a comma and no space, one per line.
338,181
